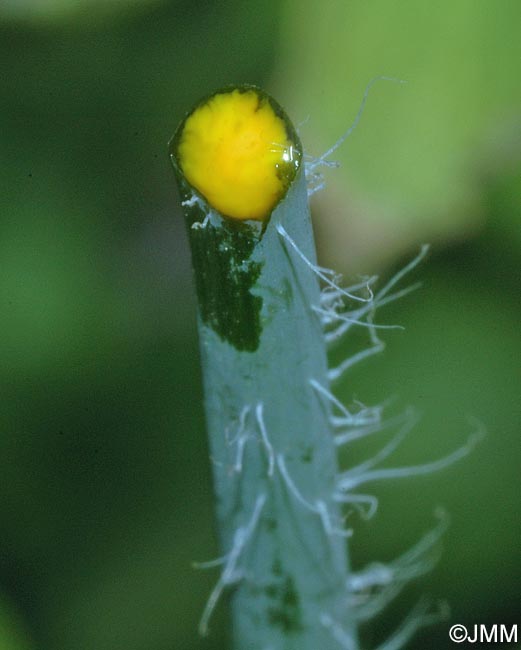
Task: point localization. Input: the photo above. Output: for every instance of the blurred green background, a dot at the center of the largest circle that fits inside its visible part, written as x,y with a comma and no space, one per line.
105,483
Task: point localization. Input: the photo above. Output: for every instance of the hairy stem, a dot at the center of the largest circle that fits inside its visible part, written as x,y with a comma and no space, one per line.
263,353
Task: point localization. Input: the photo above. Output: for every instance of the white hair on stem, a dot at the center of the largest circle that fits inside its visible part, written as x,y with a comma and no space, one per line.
319,271
319,507
348,318
314,178
334,374
210,564
417,561
259,414
411,418
330,316
241,438
323,392
347,482
376,346
422,615
356,433
323,158
345,640
368,607
345,319
199,225
365,417
329,295
230,574
374,587
358,501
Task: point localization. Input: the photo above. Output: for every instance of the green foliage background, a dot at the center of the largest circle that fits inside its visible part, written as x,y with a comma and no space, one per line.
104,474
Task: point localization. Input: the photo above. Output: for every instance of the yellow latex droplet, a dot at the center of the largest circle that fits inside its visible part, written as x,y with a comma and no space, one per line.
235,150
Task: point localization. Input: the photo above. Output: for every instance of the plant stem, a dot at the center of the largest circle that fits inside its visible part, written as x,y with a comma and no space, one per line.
273,422
263,356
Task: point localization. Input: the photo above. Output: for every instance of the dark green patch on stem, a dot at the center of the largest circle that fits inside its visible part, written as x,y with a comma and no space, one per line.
285,610
307,454
225,275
